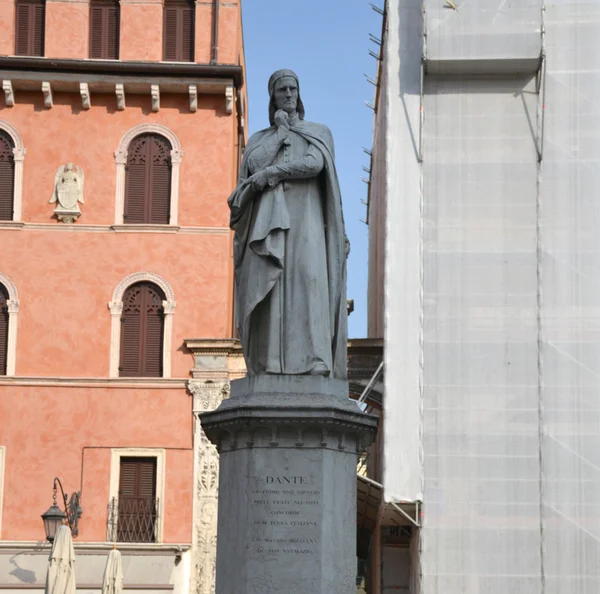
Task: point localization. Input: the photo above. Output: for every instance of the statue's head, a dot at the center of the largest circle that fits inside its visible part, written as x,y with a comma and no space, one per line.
284,93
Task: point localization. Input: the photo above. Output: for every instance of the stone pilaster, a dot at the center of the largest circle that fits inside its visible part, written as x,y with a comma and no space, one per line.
207,396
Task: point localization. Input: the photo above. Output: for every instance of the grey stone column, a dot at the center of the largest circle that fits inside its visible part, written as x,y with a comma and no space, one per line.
288,450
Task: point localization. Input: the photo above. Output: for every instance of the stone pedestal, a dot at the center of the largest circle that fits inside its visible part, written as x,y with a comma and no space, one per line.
287,485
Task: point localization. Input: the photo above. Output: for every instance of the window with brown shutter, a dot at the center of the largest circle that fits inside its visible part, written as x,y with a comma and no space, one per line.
148,180
142,331
30,27
178,31
7,176
104,29
3,329
138,505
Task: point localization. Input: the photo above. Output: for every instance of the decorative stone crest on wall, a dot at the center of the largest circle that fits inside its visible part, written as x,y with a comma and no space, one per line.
68,192
207,396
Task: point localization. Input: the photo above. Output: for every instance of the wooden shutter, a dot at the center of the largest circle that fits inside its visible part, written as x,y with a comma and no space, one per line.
142,331
178,31
3,329
137,500
104,30
30,27
187,33
113,18
7,177
148,180
138,478
22,32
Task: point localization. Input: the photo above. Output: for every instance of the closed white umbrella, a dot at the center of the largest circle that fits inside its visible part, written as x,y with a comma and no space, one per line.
112,582
61,571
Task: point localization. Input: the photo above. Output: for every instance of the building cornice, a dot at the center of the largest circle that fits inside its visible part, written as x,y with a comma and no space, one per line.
82,227
122,68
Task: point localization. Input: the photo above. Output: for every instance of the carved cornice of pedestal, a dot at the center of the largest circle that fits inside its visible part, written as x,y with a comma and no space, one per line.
290,411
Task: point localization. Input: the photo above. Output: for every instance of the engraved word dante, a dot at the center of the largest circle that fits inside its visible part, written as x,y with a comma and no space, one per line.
289,480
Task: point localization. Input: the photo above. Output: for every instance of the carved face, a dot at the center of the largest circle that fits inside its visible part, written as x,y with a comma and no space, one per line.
286,94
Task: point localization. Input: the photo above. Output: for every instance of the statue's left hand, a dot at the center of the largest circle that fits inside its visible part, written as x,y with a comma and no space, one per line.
259,180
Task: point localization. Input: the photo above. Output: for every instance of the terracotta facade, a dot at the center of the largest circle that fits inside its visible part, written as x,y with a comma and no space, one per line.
62,412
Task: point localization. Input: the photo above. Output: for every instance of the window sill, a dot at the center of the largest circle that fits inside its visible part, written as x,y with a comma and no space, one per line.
144,228
93,548
11,224
160,383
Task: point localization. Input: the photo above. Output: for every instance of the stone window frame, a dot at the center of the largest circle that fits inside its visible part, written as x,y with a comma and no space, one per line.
121,162
19,152
13,317
116,309
115,466
2,467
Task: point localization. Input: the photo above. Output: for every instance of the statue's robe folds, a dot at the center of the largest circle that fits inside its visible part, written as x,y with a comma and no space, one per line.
289,256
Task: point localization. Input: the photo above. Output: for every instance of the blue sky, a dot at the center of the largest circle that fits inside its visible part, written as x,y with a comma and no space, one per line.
327,44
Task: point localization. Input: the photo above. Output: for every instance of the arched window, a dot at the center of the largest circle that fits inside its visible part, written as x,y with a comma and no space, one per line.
148,180
104,29
178,31
30,27
7,176
3,329
139,302
142,331
126,182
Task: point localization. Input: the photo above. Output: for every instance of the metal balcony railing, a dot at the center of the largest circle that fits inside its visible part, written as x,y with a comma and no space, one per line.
132,519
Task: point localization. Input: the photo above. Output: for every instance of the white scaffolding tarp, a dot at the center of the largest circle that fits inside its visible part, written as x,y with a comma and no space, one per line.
492,403
480,394
570,296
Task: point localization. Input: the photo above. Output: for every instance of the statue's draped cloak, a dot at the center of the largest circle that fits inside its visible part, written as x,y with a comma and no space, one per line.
263,228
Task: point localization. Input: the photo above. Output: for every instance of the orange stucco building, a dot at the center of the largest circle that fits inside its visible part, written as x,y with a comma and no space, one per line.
106,268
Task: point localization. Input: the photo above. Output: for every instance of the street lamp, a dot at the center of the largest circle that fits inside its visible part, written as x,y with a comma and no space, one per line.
55,517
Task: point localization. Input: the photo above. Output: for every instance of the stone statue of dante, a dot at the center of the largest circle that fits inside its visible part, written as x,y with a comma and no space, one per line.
290,246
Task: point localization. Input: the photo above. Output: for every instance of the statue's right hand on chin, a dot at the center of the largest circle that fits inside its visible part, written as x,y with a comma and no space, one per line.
282,119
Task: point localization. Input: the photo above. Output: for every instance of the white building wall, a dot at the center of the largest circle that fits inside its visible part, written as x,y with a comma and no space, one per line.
492,291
